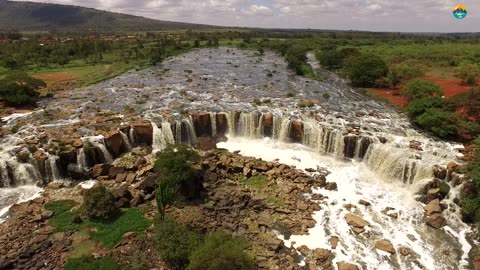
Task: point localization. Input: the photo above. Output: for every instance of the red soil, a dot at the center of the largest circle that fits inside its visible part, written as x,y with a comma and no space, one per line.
451,88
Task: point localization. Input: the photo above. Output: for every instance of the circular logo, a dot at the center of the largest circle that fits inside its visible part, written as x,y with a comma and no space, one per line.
460,12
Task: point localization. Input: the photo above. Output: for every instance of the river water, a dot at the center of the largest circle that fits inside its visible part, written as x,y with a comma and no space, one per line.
364,144
433,249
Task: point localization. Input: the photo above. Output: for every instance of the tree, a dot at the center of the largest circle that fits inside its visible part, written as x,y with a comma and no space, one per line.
99,203
165,193
221,252
18,88
467,72
419,88
366,69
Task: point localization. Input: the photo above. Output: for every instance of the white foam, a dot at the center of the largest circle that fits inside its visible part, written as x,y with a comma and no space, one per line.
356,181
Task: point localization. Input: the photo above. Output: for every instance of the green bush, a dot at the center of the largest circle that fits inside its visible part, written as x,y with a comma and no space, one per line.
444,188
471,205
419,106
467,72
98,203
443,124
419,88
366,69
221,252
90,263
175,242
18,88
330,59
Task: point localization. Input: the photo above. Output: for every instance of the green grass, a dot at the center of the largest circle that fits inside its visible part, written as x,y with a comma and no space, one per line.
109,233
90,263
258,182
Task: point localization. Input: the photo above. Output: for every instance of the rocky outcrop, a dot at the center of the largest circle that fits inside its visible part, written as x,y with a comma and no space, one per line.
296,131
114,143
202,124
35,245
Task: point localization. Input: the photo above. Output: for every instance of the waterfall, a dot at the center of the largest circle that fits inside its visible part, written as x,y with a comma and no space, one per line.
396,163
52,168
192,137
159,142
213,120
277,126
167,133
99,143
284,130
185,132
132,136
126,142
81,159
260,131
231,123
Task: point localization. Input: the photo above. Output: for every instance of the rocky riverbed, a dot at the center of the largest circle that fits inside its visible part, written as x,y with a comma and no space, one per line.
108,132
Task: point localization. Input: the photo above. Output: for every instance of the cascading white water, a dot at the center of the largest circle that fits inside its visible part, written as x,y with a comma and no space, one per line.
167,133
191,131
126,141
52,168
99,143
432,249
284,129
132,136
213,121
159,142
81,159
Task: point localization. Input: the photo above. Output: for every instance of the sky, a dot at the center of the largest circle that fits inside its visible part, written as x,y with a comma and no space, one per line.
368,15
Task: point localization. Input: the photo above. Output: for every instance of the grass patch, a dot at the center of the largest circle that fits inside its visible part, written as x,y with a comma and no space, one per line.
275,200
90,263
109,233
258,182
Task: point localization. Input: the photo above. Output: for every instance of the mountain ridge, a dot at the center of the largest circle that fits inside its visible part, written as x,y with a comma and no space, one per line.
33,16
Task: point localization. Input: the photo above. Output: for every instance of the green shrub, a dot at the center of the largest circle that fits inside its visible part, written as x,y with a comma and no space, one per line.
366,69
419,106
467,72
98,203
441,123
444,188
90,263
290,94
257,101
419,88
221,252
175,242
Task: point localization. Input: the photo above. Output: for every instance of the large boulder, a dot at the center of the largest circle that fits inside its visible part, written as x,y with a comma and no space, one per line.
114,142
356,221
385,245
433,207
100,170
436,221
206,143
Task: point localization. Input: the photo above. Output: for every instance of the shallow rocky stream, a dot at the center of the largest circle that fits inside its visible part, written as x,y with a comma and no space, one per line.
373,153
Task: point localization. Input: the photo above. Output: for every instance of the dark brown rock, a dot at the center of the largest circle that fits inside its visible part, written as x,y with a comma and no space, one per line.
100,170
436,221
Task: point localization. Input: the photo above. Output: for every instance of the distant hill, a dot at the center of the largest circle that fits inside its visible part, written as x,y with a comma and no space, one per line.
30,16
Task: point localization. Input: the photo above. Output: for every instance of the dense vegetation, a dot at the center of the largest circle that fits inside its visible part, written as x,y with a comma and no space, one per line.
17,88
471,199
